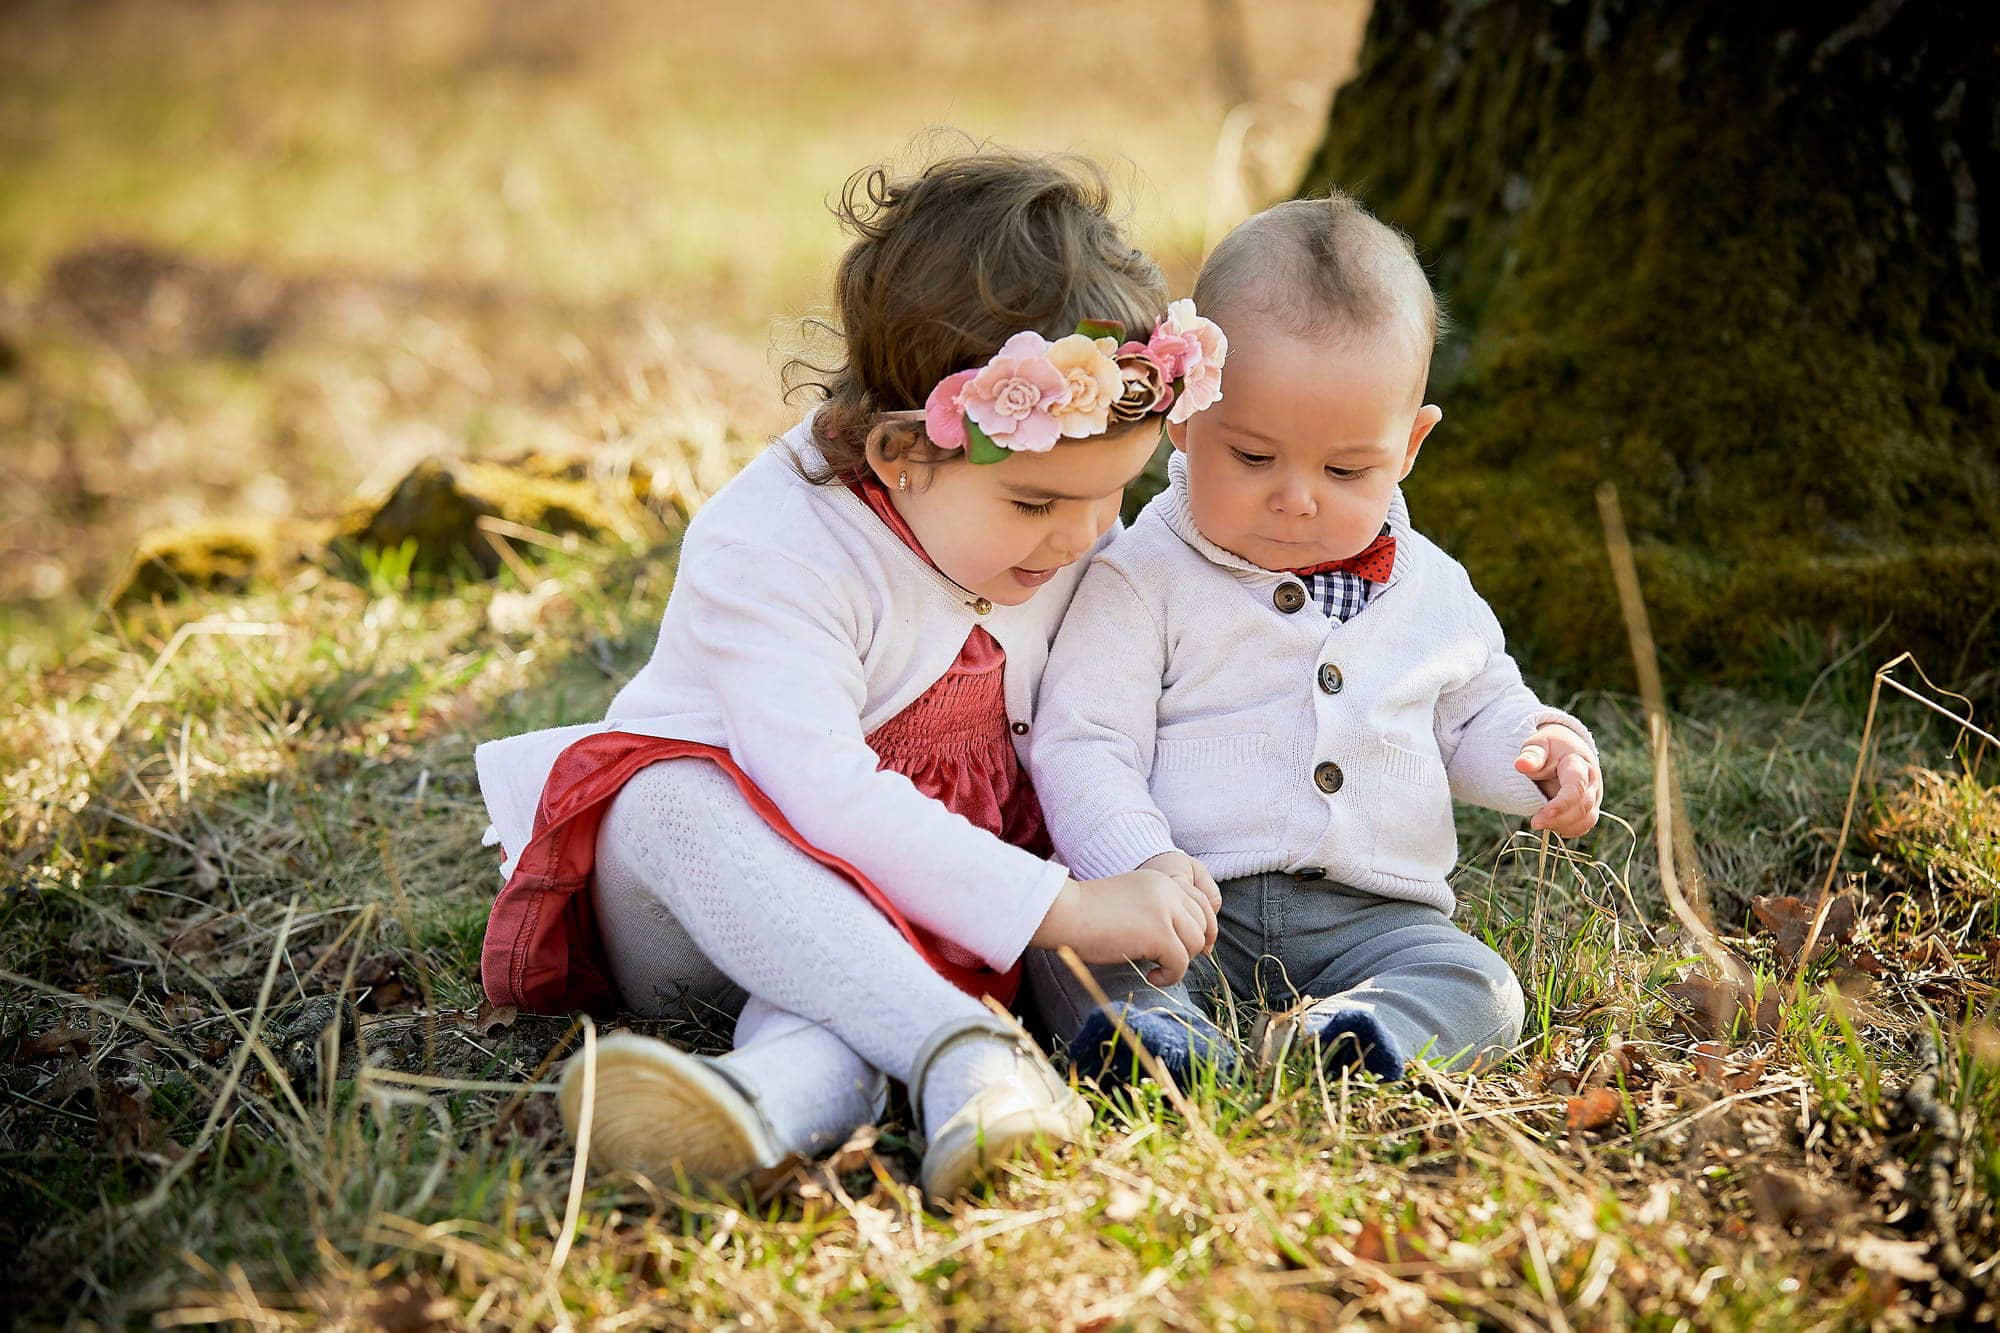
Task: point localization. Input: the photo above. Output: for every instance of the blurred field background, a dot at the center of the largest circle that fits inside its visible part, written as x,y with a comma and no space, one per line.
259,257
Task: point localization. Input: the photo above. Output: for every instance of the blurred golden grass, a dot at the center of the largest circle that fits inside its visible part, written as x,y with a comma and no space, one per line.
606,148
255,258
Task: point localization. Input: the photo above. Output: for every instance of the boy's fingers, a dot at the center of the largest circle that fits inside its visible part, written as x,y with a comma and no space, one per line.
1204,912
1193,930
1206,883
1171,965
1533,759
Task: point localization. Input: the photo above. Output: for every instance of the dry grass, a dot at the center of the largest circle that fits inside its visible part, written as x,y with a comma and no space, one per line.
251,807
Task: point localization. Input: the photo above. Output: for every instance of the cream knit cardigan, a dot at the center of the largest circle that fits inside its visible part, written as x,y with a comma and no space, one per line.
798,624
1183,707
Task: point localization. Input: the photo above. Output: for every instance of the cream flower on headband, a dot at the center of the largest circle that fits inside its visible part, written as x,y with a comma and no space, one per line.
1094,384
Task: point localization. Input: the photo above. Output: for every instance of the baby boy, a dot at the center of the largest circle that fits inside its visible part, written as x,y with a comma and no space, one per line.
1274,674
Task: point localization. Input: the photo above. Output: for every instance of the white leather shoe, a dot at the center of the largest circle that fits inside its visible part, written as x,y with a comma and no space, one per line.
1032,1111
661,1111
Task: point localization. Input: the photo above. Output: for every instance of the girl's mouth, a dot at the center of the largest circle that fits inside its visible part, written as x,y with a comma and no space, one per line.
1033,578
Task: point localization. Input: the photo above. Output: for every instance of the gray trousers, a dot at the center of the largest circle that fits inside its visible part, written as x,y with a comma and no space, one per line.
1439,993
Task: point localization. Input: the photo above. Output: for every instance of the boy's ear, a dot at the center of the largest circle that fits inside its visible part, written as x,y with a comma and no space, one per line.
1428,417
1177,435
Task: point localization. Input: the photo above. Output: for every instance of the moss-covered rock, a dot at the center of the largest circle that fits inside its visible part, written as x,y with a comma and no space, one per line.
439,506
222,556
1730,258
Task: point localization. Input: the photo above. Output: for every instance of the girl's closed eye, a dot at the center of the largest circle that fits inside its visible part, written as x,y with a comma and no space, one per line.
1249,459
1032,509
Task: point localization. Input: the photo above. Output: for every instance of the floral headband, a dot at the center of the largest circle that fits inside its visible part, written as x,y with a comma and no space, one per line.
1034,392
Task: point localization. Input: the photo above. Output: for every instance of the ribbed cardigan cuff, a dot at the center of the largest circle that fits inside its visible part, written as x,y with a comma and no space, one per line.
1119,844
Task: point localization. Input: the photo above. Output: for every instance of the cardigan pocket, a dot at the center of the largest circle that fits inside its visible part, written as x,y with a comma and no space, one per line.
1414,838
1216,792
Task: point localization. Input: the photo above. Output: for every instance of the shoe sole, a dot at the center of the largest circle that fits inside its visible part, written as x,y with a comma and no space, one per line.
662,1112
967,1153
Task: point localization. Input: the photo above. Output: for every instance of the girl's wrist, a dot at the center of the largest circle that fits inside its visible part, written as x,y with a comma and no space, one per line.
1056,928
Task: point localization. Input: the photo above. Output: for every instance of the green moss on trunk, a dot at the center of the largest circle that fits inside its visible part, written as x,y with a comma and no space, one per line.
1731,259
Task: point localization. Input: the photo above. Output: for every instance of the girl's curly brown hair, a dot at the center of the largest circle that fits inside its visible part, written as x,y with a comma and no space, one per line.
945,267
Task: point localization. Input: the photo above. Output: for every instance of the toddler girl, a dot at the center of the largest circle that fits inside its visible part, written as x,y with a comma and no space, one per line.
811,801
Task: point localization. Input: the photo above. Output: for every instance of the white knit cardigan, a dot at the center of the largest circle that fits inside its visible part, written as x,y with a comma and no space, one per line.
1185,706
797,625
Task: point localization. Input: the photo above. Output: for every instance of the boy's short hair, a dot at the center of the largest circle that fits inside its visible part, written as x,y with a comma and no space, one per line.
1322,268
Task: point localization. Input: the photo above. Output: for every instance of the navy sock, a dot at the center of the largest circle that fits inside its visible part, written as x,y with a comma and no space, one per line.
1354,1037
1179,1041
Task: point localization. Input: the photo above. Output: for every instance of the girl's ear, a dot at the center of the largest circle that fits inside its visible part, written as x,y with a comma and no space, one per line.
1177,435
886,469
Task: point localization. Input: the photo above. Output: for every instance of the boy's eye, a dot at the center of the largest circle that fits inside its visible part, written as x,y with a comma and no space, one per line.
1345,473
1026,508
1250,459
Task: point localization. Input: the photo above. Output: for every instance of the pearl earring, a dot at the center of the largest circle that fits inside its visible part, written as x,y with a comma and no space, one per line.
902,481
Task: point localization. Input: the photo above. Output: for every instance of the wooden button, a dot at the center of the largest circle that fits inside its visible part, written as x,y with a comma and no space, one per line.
1289,597
1330,679
1310,872
1020,728
1328,777
982,606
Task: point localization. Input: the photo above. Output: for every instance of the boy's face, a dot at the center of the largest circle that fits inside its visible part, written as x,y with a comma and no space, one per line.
1297,463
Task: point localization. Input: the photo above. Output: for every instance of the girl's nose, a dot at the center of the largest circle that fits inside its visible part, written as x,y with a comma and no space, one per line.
1073,538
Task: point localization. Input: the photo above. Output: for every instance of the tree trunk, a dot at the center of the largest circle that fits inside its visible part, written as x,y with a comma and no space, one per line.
1735,259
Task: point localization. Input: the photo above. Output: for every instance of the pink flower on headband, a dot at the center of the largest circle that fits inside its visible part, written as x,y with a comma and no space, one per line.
1012,397
944,411
1192,349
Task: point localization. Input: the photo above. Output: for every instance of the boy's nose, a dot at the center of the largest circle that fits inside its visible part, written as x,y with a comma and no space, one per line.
1293,500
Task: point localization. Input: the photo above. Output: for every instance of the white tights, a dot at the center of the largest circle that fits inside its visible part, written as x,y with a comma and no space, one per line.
700,902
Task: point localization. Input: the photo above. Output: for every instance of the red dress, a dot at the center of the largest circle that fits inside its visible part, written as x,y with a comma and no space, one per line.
542,950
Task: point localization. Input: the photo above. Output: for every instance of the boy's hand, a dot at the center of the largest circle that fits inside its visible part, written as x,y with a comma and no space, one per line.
1561,765
1142,914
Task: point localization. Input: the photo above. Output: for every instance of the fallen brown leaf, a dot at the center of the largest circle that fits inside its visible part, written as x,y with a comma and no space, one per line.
1715,1065
73,1079
127,1127
1790,919
1594,1108
1633,1063
58,1040
491,1017
1710,1008
1372,1245
1710,1061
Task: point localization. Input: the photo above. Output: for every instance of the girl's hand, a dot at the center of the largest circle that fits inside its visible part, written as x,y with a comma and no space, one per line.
1562,766
1142,914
